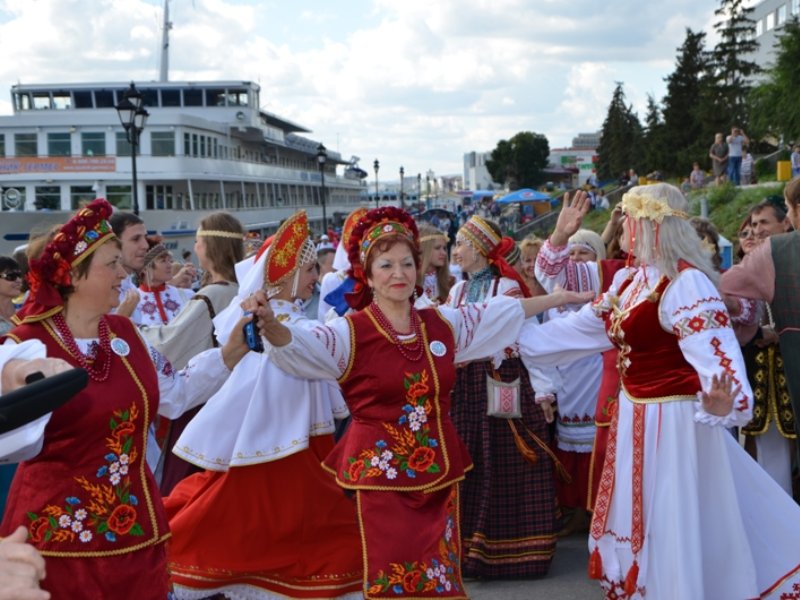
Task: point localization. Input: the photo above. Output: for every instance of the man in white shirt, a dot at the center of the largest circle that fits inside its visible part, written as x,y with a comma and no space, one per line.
736,142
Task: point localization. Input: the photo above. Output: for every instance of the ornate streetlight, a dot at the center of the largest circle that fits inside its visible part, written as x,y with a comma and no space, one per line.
133,118
376,165
402,200
419,189
322,158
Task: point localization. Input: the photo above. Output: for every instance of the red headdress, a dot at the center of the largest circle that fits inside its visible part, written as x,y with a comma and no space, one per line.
349,224
291,247
375,225
77,239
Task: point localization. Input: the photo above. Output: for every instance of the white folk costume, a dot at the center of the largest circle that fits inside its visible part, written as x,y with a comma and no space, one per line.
682,510
159,305
84,492
401,453
341,264
284,529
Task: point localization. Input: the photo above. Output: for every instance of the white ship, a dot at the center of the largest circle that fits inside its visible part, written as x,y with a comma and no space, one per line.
206,146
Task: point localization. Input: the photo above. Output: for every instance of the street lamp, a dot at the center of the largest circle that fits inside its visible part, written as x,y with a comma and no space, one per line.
133,118
376,165
402,201
419,188
322,157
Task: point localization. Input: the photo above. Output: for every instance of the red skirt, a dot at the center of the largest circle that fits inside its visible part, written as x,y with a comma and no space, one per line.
411,543
281,526
573,494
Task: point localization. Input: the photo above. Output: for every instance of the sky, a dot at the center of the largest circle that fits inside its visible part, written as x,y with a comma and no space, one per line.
416,83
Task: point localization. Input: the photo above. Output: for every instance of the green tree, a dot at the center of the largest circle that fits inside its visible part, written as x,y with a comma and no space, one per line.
520,161
732,69
685,134
655,154
774,108
620,138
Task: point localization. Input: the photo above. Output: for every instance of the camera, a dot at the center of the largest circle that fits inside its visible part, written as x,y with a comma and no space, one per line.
252,337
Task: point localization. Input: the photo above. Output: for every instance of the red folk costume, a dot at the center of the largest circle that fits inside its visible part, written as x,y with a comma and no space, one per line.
400,453
88,499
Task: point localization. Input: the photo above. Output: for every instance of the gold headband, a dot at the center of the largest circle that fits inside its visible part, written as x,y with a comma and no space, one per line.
433,236
219,233
644,206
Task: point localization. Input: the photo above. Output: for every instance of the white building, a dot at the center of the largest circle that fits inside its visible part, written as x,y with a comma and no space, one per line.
476,175
769,17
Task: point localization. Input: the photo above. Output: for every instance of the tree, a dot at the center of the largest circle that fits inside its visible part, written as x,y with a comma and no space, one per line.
620,138
686,135
733,71
773,104
655,152
520,161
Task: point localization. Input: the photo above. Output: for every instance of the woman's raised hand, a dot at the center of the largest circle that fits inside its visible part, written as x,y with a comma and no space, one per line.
570,218
718,400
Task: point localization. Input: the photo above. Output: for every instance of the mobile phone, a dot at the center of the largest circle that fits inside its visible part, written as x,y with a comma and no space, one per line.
252,337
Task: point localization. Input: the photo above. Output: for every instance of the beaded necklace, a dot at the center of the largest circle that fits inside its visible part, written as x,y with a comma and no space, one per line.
479,284
100,367
412,350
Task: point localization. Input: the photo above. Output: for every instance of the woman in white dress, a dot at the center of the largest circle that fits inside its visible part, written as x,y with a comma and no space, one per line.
682,511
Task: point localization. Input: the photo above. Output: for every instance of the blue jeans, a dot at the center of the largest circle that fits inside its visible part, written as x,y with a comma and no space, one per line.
734,169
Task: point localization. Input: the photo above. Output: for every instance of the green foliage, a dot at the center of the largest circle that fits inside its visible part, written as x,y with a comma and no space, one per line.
774,106
520,161
620,145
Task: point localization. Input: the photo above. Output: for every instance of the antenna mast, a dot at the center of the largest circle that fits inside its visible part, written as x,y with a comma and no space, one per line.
164,74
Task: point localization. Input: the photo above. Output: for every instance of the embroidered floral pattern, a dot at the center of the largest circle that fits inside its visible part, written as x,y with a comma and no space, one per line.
437,574
702,321
110,509
412,448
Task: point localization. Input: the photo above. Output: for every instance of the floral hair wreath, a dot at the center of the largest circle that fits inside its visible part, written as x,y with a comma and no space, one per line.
644,206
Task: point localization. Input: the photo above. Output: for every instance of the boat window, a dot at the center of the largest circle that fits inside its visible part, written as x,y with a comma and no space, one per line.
25,144
58,144
238,97
48,197
162,143
215,97
123,145
170,97
149,98
187,144
193,97
83,99
104,98
2,145
41,100
80,196
62,100
22,101
93,143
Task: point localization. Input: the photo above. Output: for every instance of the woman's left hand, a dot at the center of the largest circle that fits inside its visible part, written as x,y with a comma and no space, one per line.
718,401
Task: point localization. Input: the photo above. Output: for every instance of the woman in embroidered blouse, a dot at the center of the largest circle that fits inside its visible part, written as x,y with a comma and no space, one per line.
85,493
677,492
434,276
159,302
510,495
401,453
219,247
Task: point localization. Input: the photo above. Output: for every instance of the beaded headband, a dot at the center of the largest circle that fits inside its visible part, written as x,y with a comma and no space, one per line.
381,230
480,235
644,206
219,233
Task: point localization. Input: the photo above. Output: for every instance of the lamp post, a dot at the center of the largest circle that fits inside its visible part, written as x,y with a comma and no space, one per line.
428,190
322,158
419,189
402,200
133,118
376,165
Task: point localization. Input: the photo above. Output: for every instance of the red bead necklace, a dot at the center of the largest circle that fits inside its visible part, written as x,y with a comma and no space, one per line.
411,350
100,367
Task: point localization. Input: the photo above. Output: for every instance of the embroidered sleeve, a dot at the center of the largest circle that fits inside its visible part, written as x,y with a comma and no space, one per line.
315,352
693,310
484,329
748,311
554,267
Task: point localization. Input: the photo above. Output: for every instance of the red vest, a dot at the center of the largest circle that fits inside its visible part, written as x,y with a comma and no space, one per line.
401,436
89,491
651,364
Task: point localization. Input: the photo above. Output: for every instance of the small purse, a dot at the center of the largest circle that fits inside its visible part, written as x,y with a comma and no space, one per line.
503,399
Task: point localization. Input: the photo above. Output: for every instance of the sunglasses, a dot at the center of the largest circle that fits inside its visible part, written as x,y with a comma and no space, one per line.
11,275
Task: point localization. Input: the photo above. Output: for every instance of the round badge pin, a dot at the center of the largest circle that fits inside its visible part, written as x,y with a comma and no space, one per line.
120,347
438,348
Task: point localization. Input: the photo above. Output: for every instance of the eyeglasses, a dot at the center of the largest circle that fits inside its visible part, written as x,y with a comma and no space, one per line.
746,233
11,275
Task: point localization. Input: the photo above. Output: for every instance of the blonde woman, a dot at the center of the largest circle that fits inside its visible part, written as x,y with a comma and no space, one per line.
434,276
529,249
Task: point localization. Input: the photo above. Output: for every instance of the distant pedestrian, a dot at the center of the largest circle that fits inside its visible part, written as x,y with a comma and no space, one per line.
697,178
718,153
796,161
747,167
737,140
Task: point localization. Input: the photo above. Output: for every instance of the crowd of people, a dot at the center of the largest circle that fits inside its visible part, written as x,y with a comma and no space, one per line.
384,412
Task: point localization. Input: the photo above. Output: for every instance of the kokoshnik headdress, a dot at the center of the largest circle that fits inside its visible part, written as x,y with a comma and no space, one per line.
77,239
291,247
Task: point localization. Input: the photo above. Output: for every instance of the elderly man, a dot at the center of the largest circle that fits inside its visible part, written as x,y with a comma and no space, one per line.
770,273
